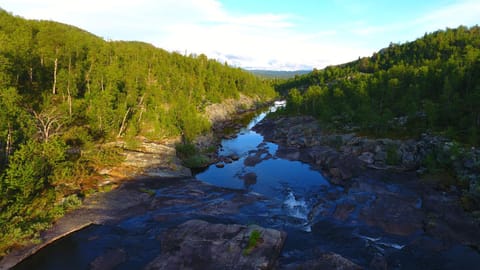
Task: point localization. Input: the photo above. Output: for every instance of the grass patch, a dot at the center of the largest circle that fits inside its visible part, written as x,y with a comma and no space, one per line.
149,191
253,241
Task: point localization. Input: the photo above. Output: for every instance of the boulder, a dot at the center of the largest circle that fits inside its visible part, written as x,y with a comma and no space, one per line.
197,244
249,178
367,157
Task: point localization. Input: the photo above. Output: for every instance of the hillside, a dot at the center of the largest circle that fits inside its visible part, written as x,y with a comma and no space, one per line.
65,93
429,85
278,74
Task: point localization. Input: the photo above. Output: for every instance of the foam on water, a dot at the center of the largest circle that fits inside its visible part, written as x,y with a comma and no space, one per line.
298,209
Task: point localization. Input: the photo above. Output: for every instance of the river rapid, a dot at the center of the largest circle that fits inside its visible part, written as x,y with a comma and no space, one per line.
255,186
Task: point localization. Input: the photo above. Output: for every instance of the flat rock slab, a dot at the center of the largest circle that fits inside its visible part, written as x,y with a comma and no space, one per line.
197,244
325,261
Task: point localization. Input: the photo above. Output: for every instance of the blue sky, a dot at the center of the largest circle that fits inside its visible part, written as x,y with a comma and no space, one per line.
264,34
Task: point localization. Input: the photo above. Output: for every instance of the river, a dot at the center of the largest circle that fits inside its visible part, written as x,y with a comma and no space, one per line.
287,195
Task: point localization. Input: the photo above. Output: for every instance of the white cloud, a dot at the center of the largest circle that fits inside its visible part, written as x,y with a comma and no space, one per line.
452,15
456,14
256,40
259,40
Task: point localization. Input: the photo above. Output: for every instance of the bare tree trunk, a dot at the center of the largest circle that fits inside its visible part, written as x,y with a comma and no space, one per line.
87,78
122,127
8,147
142,108
48,124
149,74
55,76
68,87
30,74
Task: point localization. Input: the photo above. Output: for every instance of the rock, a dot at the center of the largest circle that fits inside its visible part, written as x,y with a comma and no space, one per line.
105,171
394,212
366,157
109,260
197,244
290,153
326,261
343,211
234,157
318,155
387,141
450,222
346,138
335,173
220,165
251,161
408,160
250,179
380,157
379,262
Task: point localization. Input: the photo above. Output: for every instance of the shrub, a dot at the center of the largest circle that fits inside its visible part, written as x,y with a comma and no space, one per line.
393,158
196,161
185,150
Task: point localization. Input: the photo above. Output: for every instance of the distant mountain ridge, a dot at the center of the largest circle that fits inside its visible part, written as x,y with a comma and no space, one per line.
278,74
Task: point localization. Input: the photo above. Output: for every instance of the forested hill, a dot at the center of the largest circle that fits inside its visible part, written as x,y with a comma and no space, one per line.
93,82
64,91
431,84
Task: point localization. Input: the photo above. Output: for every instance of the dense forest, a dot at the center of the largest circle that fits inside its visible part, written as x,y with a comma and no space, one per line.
64,93
429,85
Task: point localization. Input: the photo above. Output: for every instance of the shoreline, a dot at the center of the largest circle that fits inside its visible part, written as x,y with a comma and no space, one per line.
150,160
359,164
99,208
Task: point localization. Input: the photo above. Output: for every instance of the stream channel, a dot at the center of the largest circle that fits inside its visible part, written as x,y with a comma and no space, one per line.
256,187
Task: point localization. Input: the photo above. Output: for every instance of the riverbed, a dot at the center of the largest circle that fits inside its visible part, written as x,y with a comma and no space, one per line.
377,222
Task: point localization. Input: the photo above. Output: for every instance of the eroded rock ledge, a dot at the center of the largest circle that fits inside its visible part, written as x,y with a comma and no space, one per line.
197,244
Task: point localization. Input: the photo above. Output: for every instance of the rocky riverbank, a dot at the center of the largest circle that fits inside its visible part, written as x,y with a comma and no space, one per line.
163,211
376,215
145,159
148,159
226,121
342,156
383,184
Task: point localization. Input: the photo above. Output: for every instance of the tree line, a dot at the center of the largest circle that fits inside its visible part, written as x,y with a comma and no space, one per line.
431,85
65,92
